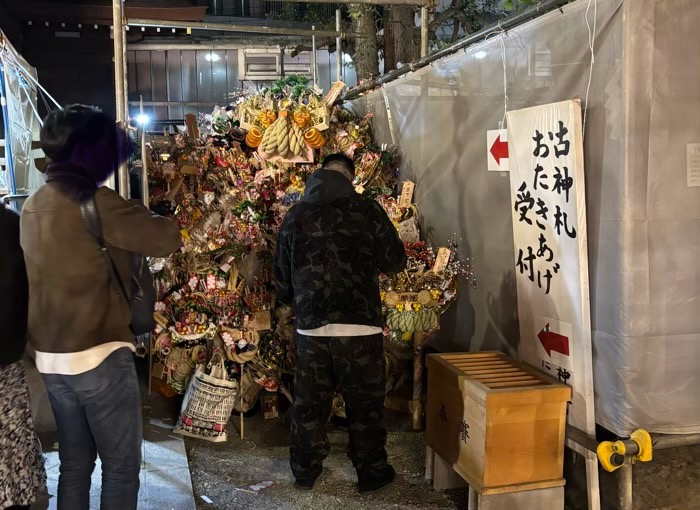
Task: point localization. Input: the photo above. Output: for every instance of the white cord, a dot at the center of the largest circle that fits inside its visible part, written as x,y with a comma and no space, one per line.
591,45
502,33
31,103
26,73
505,81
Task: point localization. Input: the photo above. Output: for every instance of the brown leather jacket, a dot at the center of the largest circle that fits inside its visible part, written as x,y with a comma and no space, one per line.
72,306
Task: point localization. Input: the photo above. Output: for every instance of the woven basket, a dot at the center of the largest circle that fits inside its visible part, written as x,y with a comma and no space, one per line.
208,403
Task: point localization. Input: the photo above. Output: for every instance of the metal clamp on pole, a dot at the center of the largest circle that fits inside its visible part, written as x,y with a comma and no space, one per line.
639,447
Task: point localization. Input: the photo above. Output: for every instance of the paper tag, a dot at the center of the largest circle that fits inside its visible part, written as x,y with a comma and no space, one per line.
359,189
174,189
406,194
260,321
233,278
192,126
227,264
442,259
693,151
160,319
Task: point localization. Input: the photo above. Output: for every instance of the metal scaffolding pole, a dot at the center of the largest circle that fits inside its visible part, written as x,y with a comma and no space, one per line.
537,10
144,160
314,64
120,86
249,29
339,46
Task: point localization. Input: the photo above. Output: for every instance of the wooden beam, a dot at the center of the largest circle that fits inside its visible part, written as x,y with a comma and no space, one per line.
246,29
419,3
62,12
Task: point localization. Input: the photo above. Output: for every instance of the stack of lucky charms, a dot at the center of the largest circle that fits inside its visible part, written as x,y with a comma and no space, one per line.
415,298
229,198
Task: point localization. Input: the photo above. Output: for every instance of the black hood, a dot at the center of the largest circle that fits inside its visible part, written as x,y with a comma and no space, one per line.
326,186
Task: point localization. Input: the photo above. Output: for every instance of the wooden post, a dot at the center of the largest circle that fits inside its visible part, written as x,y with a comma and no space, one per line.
424,32
416,405
444,477
429,463
240,391
120,88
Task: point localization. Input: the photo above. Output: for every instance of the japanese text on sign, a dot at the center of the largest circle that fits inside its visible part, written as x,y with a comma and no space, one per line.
535,209
548,209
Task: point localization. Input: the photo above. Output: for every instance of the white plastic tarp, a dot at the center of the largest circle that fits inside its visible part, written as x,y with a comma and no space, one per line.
643,218
21,95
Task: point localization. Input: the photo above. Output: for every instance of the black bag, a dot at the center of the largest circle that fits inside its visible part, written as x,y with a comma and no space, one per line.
143,293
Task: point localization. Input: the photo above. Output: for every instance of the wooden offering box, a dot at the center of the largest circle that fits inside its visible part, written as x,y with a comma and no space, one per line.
500,424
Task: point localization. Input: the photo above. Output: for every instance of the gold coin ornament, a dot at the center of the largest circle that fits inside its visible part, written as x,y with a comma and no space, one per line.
254,137
314,138
302,117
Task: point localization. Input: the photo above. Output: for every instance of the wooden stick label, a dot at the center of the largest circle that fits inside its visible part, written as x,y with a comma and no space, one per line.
406,194
442,259
334,93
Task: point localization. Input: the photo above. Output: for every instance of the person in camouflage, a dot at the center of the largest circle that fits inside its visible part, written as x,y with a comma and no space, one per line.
331,249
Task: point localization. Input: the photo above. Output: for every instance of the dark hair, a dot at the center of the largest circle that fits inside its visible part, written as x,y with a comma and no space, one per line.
340,162
64,129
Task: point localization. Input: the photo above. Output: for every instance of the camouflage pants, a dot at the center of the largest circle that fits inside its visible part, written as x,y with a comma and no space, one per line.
356,364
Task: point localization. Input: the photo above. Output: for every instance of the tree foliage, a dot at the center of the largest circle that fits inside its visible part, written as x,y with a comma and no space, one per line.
391,32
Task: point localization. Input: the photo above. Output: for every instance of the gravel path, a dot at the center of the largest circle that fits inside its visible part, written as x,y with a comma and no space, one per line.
222,472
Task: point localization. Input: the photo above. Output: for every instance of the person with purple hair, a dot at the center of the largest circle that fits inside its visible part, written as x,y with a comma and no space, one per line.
78,321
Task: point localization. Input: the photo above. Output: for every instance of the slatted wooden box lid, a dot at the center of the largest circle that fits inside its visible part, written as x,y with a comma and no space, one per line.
499,423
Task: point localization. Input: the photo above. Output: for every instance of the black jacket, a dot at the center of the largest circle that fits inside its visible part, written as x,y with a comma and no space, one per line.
13,289
331,249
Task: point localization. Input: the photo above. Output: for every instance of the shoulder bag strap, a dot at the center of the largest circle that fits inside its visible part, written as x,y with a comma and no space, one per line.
91,218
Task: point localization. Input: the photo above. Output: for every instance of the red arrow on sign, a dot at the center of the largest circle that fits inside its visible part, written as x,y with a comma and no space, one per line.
499,150
552,341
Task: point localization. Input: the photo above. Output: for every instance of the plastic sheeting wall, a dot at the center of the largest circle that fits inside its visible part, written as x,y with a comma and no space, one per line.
23,121
643,221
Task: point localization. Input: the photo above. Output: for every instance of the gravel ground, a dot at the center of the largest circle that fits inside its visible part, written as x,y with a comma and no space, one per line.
219,471
223,471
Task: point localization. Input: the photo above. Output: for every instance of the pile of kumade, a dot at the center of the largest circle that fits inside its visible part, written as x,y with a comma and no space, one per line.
229,193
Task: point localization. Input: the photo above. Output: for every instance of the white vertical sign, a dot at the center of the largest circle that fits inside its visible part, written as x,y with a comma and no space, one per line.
693,163
551,250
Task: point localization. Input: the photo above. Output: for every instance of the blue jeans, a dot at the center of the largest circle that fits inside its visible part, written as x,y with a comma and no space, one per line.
99,413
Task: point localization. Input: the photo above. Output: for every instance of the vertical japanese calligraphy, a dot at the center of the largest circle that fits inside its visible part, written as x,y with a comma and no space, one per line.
548,210
533,203
464,431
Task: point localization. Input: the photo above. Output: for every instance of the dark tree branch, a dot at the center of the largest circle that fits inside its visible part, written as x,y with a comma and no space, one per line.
446,15
319,44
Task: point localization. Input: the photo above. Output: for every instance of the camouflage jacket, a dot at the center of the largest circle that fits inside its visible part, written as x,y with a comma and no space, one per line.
331,249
